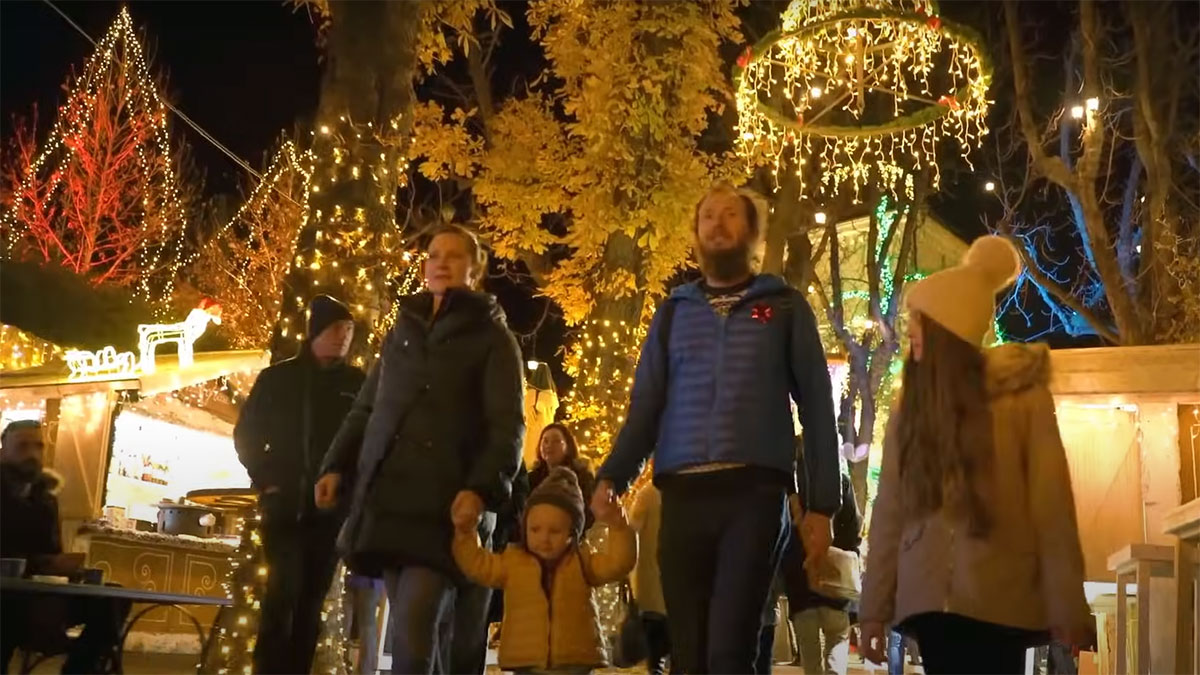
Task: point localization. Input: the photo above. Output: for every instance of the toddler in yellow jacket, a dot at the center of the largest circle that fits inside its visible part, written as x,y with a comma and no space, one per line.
550,622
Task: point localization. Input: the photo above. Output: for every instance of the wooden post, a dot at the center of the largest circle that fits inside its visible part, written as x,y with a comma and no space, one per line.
1185,616
1143,608
1122,665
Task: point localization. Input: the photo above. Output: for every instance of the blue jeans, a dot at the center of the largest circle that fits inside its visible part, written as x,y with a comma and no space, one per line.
895,653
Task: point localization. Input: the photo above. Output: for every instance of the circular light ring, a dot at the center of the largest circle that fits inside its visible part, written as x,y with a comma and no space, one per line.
964,35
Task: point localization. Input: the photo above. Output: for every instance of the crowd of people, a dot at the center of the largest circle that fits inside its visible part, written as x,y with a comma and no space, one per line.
411,474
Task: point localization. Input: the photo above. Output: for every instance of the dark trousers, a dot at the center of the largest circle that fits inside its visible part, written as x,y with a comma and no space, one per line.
766,648
658,642
718,552
301,558
39,623
434,626
951,643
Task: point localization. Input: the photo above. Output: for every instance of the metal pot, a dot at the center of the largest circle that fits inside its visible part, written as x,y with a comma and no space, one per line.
185,519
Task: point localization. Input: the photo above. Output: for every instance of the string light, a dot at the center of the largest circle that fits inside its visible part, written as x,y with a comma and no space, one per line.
19,349
839,63
118,57
337,252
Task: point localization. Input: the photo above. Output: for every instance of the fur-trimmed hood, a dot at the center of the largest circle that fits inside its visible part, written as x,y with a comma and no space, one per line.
53,481
48,481
1013,368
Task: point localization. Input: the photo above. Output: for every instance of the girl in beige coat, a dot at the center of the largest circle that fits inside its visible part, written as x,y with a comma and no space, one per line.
974,548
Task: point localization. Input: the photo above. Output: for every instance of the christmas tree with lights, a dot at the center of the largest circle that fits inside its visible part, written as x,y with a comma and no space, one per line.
101,194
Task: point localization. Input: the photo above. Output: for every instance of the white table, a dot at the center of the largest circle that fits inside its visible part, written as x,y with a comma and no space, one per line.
1138,562
1184,523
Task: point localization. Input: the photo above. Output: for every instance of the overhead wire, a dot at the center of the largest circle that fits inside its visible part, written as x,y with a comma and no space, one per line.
179,113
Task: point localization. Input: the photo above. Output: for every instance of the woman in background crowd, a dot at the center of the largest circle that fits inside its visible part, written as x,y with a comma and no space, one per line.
822,623
557,447
646,518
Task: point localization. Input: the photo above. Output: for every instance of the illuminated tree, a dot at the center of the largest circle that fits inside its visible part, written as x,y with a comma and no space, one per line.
242,265
597,169
1101,182
855,274
351,246
101,195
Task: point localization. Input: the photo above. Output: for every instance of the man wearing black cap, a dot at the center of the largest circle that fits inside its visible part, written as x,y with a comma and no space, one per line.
293,411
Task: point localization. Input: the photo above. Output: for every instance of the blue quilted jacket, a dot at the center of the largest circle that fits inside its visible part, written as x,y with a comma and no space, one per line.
721,392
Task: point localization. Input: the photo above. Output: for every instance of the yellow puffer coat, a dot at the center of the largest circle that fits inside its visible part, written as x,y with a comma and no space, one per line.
541,632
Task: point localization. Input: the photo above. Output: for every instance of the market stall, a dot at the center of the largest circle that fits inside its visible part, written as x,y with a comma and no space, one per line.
131,444
1130,420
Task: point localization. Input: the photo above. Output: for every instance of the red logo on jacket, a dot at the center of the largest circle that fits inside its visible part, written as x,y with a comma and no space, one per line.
761,312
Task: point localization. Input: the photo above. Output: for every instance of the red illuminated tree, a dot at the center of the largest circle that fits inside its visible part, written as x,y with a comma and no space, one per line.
100,195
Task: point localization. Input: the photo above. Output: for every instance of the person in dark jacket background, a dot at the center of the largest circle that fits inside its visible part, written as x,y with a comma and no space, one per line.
822,624
282,433
437,428
723,361
29,530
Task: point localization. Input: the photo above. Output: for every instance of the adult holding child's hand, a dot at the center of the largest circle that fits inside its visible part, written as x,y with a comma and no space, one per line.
436,431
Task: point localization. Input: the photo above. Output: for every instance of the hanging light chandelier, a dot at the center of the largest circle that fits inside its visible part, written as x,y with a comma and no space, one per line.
861,91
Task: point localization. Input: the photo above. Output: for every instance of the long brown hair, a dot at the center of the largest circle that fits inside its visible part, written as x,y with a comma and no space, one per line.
945,430
568,438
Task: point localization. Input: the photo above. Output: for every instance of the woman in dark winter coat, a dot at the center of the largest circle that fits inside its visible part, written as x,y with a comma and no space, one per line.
436,429
557,447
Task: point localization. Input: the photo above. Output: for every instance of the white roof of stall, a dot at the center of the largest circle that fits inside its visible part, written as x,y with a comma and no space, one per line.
54,380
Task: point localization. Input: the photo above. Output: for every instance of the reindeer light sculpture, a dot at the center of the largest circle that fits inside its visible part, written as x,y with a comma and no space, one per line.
183,333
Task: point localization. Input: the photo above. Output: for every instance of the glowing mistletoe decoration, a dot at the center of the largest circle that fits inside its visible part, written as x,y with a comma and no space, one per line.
108,362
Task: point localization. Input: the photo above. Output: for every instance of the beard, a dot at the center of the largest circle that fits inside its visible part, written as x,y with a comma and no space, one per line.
731,264
26,469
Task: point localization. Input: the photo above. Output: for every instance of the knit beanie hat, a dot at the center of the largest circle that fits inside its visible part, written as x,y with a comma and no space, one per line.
561,489
324,310
963,299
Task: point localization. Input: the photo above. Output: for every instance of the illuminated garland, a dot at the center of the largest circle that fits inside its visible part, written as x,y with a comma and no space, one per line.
19,349
232,649
338,251
119,51
816,89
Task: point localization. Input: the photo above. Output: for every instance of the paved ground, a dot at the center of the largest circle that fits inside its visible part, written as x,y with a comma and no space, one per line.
185,664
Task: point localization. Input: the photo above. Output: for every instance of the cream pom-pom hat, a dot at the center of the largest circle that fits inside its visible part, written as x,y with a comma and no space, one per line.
963,299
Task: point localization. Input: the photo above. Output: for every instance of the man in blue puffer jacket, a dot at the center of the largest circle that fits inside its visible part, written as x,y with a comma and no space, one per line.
711,401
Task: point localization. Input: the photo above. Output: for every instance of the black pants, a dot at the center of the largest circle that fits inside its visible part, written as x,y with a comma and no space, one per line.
301,558
719,547
658,642
39,623
951,643
766,648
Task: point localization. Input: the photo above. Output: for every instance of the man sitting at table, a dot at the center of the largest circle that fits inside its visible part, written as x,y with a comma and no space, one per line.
29,529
